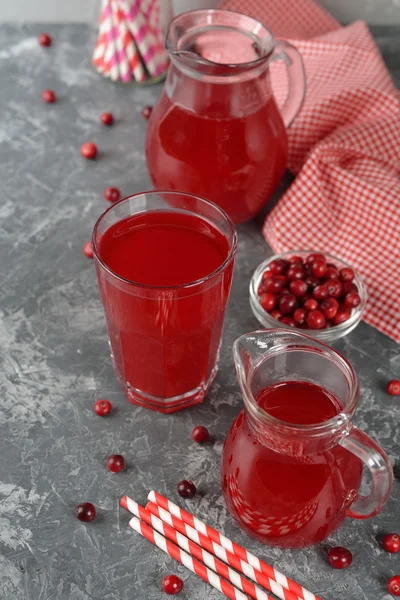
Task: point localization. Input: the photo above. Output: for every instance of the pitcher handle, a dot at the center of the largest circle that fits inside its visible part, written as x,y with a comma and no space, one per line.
297,79
373,456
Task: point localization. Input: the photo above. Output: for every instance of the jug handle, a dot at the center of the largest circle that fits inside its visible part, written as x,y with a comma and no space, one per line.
372,456
297,80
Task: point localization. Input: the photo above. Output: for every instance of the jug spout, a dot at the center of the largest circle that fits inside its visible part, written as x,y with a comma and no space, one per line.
249,351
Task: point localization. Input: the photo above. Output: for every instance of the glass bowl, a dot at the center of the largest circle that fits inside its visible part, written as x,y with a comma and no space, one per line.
324,335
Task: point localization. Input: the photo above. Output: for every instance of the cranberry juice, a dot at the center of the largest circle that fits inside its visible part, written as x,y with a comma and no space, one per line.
289,499
230,146
164,337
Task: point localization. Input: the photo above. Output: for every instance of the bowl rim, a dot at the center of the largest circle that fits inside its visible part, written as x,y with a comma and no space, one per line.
335,332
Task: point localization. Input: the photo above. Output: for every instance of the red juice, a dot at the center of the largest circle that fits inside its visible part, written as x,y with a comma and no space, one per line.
282,498
229,146
164,333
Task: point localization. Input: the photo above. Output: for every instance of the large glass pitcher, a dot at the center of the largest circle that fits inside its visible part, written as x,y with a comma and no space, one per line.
293,460
217,131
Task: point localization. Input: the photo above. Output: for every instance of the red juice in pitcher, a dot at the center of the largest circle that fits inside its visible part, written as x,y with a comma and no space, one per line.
164,293
282,497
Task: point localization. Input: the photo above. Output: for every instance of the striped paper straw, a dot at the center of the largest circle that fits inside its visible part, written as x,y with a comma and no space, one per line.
123,62
132,54
234,548
185,559
194,550
231,559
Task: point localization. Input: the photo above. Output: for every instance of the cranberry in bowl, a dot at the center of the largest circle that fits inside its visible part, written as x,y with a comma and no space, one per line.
313,291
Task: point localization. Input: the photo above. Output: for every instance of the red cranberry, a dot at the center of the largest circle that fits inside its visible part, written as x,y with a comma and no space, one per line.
146,112
339,557
268,301
102,407
274,285
331,273
89,150
351,300
298,287
329,307
106,118
311,282
287,304
85,512
115,463
310,304
48,96
186,489
295,259
341,316
318,267
88,250
112,194
200,434
288,321
276,314
44,39
295,272
394,585
346,274
267,275
261,289
320,292
311,257
171,585
284,292
349,287
278,266
391,543
299,316
393,387
316,319
335,288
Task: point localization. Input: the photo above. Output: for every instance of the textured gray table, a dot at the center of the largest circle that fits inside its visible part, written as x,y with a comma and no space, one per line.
55,361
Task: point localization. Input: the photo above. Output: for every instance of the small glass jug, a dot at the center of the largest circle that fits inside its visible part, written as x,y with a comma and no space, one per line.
291,481
216,130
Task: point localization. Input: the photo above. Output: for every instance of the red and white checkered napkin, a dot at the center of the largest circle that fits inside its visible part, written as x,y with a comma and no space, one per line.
345,145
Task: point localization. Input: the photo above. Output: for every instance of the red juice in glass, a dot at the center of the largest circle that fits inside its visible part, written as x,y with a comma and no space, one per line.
164,264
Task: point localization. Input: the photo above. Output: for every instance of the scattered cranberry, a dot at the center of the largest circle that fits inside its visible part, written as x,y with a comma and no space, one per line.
106,118
298,287
278,266
295,272
394,585
44,39
318,267
351,300
310,304
112,194
331,273
329,307
393,387
172,585
335,288
85,512
286,320
276,314
316,319
391,543
287,304
268,301
346,274
320,292
299,316
186,489
102,407
341,316
200,434
89,150
339,557
48,96
88,250
115,463
146,112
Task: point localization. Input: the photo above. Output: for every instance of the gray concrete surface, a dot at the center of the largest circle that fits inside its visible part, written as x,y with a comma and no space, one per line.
55,361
